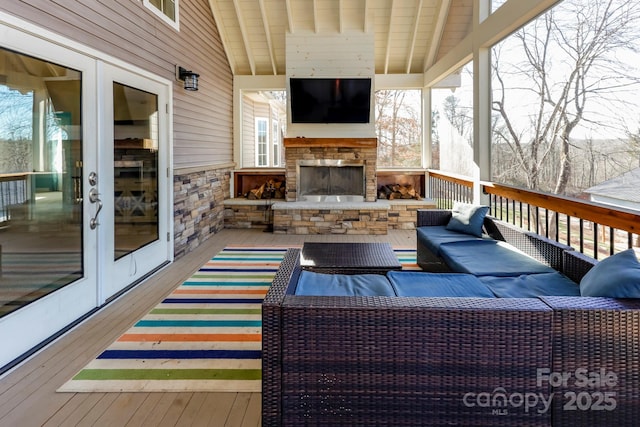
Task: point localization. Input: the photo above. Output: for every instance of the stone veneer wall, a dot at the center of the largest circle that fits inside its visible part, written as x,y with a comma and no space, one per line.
403,214
243,213
368,154
198,209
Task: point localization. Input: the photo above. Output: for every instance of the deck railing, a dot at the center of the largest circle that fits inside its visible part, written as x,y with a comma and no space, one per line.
13,192
445,189
594,229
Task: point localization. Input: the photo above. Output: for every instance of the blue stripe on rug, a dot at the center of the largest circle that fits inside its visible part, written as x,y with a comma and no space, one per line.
181,354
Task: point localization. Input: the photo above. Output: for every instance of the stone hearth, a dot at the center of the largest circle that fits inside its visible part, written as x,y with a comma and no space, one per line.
331,217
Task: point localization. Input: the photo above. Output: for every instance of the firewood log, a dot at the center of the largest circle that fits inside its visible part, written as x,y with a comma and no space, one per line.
256,193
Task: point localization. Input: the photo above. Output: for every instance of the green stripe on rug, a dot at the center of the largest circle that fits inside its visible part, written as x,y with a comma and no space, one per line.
216,283
197,323
169,374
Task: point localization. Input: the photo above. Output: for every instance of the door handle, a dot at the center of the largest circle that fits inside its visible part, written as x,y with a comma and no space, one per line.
93,198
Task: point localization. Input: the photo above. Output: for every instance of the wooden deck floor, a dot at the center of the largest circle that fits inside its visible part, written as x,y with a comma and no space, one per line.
28,394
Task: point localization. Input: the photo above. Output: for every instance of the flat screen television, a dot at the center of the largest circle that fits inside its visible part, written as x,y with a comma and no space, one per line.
330,100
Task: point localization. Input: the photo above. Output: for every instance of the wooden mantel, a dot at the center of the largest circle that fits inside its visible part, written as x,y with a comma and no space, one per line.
331,142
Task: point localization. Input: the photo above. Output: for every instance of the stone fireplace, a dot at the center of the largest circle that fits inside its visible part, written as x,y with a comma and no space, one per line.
331,167
326,180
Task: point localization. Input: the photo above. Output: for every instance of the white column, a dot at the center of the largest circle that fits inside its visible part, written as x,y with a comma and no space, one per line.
481,107
426,127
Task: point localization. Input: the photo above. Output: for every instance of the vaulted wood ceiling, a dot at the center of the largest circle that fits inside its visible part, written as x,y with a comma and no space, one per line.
410,35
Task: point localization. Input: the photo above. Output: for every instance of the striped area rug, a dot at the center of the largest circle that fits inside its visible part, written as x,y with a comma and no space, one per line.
205,336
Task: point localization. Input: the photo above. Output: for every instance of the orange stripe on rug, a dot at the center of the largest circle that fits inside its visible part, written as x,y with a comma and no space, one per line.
189,337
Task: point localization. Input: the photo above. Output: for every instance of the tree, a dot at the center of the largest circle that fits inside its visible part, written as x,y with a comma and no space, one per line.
457,115
398,127
569,74
16,130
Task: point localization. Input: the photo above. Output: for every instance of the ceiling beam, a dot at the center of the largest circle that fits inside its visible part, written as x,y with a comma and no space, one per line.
389,32
245,37
267,33
436,35
287,4
224,37
416,21
365,19
510,17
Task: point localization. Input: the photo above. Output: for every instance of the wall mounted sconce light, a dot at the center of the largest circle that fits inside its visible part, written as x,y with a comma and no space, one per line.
189,78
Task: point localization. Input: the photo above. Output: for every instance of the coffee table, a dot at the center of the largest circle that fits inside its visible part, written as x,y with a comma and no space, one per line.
348,258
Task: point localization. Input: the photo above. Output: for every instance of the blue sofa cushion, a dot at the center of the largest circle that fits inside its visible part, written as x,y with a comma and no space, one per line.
617,276
467,218
531,285
490,258
320,284
419,284
432,236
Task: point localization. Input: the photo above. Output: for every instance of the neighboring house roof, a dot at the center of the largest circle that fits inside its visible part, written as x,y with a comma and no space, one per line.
623,187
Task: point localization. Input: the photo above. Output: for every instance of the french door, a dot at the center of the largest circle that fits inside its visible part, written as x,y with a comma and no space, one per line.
133,184
85,194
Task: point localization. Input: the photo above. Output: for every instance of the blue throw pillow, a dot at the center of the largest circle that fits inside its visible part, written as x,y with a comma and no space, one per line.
617,276
467,218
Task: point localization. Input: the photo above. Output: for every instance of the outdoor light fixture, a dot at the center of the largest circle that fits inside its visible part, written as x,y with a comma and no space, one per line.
189,78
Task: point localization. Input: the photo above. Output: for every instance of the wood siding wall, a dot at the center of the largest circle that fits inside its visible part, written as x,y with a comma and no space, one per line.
248,133
127,30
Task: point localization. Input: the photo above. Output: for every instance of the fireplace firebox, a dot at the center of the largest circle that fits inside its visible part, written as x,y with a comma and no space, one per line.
324,179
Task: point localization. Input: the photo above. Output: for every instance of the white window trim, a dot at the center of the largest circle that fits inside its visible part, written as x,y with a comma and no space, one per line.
267,142
275,141
175,24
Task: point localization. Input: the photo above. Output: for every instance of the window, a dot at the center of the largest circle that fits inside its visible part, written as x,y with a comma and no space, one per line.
264,123
275,132
167,10
262,142
399,128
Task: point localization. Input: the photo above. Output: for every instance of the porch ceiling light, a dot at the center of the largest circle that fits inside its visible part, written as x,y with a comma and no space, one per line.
189,78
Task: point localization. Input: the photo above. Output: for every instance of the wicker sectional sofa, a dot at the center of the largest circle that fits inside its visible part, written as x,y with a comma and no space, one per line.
436,361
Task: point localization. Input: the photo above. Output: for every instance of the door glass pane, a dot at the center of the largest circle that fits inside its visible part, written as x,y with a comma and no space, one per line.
135,149
40,179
